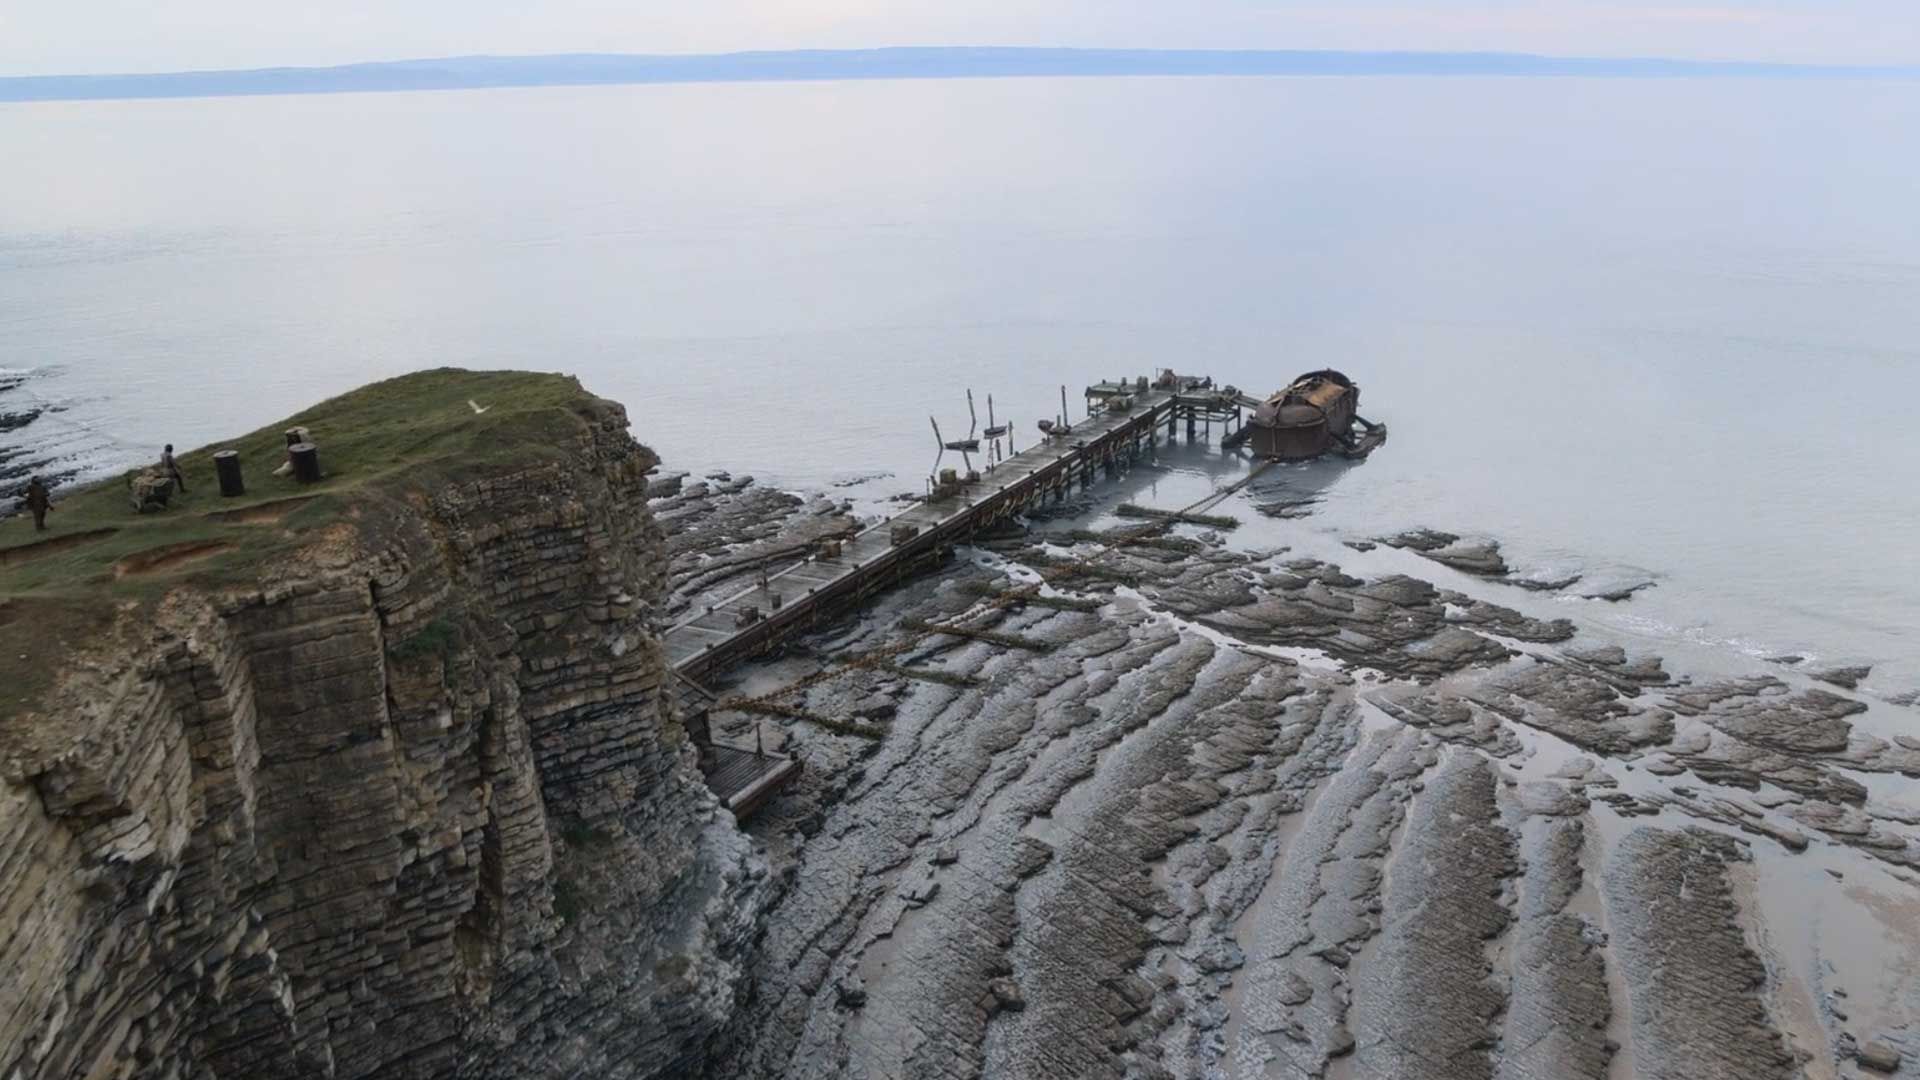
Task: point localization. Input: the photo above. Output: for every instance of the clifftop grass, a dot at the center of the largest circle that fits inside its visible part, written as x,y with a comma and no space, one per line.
99,560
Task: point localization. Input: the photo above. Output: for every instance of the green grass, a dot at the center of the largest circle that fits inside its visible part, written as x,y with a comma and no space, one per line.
437,637
34,629
583,837
568,900
397,439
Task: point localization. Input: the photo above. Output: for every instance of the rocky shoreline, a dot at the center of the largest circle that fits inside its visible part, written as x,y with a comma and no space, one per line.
1245,814
416,803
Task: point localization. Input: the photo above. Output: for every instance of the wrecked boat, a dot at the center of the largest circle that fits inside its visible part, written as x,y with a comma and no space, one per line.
1319,413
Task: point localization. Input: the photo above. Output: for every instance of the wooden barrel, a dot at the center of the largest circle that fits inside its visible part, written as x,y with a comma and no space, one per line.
306,462
226,464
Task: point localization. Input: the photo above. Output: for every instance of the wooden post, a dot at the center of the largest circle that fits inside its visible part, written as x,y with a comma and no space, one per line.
306,462
226,465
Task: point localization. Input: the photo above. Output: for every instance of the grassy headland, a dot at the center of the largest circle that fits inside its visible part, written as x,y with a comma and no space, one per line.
99,561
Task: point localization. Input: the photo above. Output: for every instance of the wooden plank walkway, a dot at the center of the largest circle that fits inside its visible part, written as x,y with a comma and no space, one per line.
805,590
795,595
743,779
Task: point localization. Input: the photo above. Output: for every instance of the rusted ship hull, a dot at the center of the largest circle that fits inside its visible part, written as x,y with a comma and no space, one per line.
1317,414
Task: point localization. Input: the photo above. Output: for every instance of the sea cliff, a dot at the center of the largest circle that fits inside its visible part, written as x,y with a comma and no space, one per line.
381,780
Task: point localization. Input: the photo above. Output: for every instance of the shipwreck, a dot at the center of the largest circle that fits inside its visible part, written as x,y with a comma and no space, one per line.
1318,413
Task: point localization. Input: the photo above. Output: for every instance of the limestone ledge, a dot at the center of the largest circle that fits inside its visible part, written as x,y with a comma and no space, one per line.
416,807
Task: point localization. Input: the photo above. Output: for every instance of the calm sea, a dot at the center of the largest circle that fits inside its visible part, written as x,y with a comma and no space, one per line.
1668,328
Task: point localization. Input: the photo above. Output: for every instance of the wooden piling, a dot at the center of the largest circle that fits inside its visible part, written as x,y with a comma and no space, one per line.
306,462
226,465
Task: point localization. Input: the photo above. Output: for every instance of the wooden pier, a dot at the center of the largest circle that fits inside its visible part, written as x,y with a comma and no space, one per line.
1125,421
797,595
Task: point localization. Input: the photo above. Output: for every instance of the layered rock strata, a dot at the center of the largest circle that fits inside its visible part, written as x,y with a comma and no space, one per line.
412,806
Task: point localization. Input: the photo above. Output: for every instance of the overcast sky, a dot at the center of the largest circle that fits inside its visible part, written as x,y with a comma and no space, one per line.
95,36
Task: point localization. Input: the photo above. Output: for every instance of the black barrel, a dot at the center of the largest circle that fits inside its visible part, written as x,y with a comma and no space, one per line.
226,463
306,462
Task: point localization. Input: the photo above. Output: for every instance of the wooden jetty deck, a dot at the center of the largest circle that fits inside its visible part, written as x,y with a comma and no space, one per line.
1125,421
742,775
797,594
744,779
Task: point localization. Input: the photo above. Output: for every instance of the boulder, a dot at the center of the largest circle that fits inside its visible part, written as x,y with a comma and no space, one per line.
1878,1056
1846,678
850,992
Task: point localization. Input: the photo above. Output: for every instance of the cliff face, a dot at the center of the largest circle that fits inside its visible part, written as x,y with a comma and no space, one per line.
414,805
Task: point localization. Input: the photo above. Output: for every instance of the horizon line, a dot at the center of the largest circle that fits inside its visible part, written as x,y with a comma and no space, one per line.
493,70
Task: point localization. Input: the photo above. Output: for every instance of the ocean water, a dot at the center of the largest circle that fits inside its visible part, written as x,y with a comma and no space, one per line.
1658,329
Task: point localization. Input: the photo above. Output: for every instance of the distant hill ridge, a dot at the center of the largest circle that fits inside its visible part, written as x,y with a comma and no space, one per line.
589,69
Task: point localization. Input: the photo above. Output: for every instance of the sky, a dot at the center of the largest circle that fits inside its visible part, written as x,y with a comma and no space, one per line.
47,37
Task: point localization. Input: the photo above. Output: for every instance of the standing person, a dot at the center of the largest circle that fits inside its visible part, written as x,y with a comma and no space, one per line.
168,466
39,501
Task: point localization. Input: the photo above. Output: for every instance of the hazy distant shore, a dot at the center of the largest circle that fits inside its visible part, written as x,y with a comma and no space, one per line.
481,72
